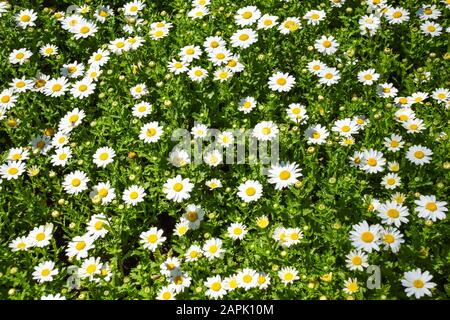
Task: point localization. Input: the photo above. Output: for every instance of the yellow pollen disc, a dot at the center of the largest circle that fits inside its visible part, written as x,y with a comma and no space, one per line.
244,37
45,272
85,29
151,132
91,269
192,216
82,87
281,81
152,238
247,278
216,286
389,238
40,236
431,206
372,162
418,284
326,44
134,195
98,225
266,130
284,175
367,237
288,276
177,187
419,154
356,261
247,15
104,156
56,87
103,192
393,213
20,55
345,128
25,18
13,171
80,245
76,182
390,181
250,191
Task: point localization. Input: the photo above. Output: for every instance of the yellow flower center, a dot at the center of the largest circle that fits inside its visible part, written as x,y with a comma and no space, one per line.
103,192
418,284
177,187
98,225
216,286
5,99
152,238
91,269
356,261
76,182
288,276
326,43
268,22
393,213
192,216
237,231
247,278
45,272
266,130
40,236
397,14
193,254
25,18
352,287
247,15
368,76
261,279
82,87
250,191
284,175
315,16
85,29
367,237
62,156
80,245
134,195
244,37
419,154
166,295
316,135
151,132
20,55
232,63
372,162
198,73
104,156
56,87
291,25
281,81
389,238
213,249
431,206
345,128
390,181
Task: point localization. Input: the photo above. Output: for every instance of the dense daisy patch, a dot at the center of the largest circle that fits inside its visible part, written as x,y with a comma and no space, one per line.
219,149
